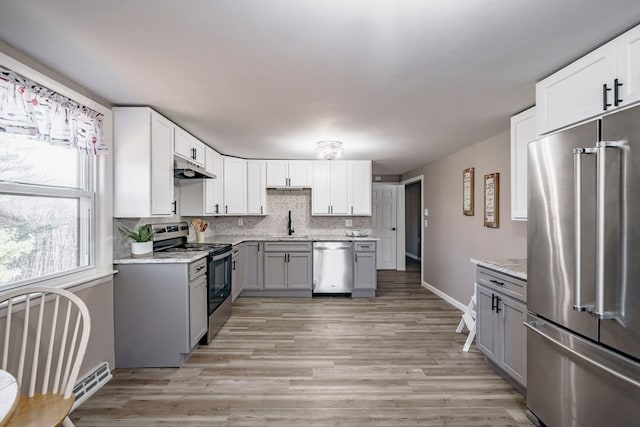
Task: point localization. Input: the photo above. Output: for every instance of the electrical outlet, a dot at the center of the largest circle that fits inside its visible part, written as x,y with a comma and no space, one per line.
240,222
348,223
426,223
426,212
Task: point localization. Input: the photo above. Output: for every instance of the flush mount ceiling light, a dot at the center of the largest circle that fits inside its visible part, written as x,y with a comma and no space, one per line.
329,150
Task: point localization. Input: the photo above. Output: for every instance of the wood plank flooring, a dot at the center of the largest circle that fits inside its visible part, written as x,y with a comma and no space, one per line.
390,361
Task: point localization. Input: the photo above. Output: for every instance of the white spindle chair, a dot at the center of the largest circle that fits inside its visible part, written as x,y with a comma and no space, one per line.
43,342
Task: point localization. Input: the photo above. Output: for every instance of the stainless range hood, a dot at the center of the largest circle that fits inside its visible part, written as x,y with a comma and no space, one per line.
183,169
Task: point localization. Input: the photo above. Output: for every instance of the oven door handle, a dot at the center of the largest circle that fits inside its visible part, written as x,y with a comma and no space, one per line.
222,256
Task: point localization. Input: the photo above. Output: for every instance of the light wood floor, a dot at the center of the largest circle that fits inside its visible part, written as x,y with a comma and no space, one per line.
390,361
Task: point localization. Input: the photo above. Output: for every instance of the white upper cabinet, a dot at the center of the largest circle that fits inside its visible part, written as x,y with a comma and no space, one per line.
330,195
256,187
577,91
214,188
204,196
602,81
628,56
523,131
360,187
289,173
143,163
235,186
341,188
188,147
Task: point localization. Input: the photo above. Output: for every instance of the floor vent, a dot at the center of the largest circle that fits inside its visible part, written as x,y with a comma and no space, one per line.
91,383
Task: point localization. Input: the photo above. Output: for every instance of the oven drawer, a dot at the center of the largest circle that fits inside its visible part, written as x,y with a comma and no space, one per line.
197,268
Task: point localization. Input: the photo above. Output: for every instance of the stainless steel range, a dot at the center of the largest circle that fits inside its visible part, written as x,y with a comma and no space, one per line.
172,237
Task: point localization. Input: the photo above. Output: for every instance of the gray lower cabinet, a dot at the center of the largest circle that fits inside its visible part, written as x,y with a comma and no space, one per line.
500,333
287,265
364,269
197,309
253,267
160,312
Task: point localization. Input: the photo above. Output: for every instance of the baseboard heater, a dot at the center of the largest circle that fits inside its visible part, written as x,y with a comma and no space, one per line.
91,383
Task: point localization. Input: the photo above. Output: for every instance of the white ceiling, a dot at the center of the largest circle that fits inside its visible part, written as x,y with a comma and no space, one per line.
400,82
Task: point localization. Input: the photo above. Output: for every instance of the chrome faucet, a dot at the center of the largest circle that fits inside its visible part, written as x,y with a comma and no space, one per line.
290,229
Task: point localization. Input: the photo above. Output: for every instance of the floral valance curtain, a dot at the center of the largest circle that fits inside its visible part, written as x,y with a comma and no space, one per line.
30,109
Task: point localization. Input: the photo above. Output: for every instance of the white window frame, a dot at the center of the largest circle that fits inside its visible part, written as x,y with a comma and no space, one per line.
98,188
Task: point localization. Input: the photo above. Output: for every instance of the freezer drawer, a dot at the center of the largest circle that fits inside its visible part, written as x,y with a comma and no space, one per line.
332,267
573,382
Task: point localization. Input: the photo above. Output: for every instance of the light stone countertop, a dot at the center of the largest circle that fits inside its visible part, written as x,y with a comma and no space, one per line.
164,258
236,240
187,257
516,267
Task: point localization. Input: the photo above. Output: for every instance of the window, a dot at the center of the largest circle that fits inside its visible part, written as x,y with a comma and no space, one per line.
47,204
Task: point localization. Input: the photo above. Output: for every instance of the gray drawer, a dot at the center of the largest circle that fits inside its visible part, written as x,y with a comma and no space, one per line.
287,247
197,268
508,285
365,246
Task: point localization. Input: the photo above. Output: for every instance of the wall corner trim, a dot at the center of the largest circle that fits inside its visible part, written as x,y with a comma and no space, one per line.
454,302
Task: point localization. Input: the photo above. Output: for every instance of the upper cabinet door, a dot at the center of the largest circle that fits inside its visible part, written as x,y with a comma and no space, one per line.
235,186
161,165
339,188
188,147
300,173
628,69
214,188
321,193
277,173
256,188
523,131
576,92
360,187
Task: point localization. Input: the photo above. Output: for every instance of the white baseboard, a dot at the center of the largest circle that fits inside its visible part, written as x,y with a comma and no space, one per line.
454,302
412,256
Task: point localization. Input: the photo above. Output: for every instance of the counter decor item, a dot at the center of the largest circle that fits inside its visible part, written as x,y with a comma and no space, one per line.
142,239
491,199
200,227
467,191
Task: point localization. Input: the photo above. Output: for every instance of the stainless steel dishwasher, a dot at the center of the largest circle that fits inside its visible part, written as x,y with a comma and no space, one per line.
332,267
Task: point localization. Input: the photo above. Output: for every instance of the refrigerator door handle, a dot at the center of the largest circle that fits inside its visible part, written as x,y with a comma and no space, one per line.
604,310
539,328
578,302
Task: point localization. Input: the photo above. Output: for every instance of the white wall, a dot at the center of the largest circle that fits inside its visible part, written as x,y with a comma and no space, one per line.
451,238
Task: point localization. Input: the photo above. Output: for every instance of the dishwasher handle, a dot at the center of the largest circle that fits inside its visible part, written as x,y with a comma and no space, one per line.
325,246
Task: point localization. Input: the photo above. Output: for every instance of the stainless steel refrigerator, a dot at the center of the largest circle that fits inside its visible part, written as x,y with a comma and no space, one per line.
583,330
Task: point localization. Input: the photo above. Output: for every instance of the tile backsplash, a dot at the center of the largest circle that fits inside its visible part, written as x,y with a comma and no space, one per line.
279,202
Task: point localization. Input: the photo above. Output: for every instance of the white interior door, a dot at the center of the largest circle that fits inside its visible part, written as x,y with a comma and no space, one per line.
384,224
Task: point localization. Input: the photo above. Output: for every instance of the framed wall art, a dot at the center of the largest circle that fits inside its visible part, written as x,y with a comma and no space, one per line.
491,200
467,191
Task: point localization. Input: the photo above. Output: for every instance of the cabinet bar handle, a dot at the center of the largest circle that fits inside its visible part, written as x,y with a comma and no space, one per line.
174,207
498,309
605,105
351,210
329,209
226,209
261,209
496,282
493,303
616,93
356,257
217,208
